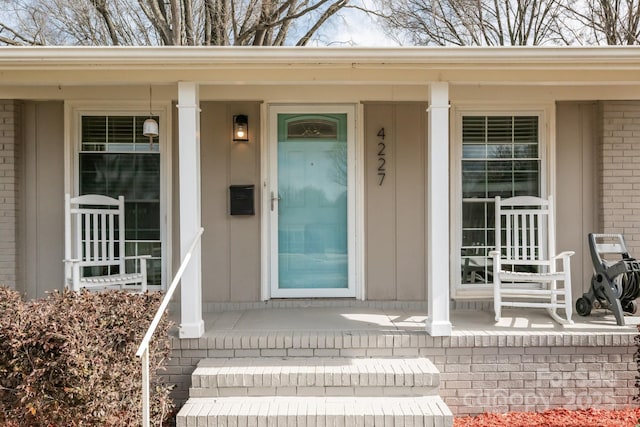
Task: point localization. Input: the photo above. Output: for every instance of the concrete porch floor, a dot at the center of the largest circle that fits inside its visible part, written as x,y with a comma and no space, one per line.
465,322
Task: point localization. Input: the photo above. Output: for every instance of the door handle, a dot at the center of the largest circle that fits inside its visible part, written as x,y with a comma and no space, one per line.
273,199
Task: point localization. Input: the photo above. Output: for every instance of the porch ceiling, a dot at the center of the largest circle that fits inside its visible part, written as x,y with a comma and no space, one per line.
246,65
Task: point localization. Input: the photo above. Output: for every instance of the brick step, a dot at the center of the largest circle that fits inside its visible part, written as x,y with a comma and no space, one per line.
315,411
275,376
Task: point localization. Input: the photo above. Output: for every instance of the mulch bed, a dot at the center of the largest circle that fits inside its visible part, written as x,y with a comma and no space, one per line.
555,418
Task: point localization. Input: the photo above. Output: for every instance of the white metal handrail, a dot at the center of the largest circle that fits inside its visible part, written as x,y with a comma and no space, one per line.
143,349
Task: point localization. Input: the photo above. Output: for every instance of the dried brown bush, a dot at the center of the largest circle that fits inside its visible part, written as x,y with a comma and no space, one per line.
636,358
69,359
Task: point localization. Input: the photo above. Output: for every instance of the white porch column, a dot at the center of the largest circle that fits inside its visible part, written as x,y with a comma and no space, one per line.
191,323
437,323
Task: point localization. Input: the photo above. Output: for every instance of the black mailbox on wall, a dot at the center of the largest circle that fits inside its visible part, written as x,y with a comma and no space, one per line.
241,200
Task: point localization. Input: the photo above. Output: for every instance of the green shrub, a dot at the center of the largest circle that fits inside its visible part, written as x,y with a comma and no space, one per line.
69,359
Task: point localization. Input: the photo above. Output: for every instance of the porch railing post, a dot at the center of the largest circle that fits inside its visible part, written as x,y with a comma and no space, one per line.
143,348
145,388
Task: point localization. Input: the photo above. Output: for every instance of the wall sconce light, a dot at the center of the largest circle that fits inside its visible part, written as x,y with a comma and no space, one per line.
150,126
240,128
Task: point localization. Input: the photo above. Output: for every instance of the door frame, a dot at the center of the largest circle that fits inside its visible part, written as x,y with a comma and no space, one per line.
355,222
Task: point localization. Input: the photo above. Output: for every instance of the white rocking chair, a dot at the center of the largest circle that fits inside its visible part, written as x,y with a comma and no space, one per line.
95,245
525,270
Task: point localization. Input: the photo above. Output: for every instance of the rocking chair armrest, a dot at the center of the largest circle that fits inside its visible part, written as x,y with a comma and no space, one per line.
72,260
138,257
565,254
495,255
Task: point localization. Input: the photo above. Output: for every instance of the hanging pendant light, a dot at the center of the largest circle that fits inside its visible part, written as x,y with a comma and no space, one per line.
150,126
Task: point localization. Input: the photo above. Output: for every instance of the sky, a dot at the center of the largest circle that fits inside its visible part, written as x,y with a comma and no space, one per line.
354,28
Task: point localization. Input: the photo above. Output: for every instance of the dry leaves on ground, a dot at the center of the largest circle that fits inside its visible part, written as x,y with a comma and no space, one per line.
555,418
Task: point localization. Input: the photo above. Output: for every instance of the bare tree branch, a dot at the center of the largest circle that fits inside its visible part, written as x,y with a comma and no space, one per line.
187,13
157,14
166,22
101,8
475,22
16,39
332,10
610,22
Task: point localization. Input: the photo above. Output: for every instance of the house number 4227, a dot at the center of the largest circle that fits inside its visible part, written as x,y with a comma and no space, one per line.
382,172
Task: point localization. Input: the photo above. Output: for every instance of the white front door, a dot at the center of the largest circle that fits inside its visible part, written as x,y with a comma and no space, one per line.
311,201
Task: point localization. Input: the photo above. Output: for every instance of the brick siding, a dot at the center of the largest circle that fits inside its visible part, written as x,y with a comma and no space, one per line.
620,172
529,378
9,162
498,373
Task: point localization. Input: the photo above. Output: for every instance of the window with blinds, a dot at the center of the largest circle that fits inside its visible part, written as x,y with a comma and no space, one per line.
116,133
500,157
116,159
